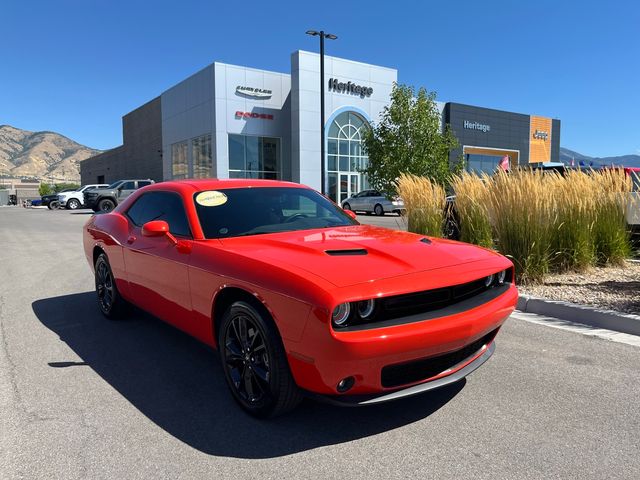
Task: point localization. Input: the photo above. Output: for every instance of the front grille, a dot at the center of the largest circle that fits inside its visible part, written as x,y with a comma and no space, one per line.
422,302
425,368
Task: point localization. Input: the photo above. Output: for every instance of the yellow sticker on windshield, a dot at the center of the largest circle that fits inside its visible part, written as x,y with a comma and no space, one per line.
211,198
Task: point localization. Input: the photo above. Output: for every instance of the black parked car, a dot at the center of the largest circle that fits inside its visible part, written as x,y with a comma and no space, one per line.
53,197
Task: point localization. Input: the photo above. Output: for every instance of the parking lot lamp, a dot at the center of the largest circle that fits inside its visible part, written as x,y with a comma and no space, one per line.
322,36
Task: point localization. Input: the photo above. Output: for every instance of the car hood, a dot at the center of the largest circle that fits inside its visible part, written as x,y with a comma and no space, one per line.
361,253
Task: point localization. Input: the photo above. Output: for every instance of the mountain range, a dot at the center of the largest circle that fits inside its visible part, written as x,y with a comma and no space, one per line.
41,155
567,155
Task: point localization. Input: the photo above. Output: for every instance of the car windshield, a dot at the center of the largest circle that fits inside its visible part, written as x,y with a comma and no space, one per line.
239,212
115,184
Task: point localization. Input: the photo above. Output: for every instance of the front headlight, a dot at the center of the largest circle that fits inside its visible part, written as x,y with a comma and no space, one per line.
366,308
341,314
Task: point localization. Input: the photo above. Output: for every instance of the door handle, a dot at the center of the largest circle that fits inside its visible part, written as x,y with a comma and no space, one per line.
131,239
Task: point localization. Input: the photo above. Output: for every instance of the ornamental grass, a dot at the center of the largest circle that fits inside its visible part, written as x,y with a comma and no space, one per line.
472,205
542,221
424,201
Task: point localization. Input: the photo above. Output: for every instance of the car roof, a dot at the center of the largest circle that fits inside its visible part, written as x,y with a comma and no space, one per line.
215,184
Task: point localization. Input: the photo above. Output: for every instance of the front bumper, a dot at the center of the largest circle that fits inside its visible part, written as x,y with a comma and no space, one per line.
459,372
324,357
90,202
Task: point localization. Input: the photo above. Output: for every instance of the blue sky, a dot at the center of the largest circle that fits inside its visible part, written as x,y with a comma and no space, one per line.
77,66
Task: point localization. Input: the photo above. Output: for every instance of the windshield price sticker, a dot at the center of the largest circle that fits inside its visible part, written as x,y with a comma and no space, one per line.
211,198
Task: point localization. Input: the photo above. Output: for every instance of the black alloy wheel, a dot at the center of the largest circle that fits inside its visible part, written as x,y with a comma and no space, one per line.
109,300
254,363
73,204
378,210
105,205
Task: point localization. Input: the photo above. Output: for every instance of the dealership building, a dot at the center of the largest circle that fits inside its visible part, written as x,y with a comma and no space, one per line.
228,121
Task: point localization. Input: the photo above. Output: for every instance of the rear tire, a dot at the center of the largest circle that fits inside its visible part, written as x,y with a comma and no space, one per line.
106,205
111,304
49,206
73,204
346,206
255,364
378,210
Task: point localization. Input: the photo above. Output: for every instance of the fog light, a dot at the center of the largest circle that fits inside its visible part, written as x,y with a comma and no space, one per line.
489,280
341,314
501,276
345,384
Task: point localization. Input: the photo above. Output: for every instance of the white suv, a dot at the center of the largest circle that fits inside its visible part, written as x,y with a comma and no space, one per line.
73,200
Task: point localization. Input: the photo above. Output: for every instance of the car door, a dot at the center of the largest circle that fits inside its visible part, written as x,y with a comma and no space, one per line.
126,189
355,202
157,269
366,200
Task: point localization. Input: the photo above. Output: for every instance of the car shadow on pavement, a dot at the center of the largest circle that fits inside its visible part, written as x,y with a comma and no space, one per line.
177,382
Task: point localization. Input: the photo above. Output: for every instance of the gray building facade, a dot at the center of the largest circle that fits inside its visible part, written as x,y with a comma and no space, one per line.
229,121
486,135
139,156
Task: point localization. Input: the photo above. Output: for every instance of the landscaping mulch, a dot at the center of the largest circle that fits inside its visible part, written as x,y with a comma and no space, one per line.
614,288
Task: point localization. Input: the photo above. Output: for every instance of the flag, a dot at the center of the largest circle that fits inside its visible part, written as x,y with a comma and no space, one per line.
504,163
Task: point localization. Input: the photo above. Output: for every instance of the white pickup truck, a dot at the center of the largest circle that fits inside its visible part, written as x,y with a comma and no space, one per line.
73,200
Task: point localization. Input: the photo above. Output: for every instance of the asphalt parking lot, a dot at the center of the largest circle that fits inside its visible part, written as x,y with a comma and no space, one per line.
83,397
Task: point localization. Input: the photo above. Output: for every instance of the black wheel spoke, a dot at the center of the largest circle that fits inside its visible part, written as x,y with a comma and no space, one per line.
248,384
262,376
234,355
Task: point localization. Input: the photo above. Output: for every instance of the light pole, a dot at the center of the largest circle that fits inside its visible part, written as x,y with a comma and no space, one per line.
322,36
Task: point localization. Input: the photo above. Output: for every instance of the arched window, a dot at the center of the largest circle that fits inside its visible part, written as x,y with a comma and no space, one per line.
345,157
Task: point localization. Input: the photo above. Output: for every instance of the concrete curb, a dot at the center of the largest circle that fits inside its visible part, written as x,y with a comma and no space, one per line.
608,319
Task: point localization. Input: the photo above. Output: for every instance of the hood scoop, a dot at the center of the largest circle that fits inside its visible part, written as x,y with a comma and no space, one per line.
426,240
346,252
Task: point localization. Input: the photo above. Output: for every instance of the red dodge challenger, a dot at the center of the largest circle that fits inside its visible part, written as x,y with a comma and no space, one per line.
296,295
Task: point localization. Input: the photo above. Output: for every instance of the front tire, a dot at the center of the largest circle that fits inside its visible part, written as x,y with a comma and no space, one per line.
105,205
111,304
254,363
378,210
73,204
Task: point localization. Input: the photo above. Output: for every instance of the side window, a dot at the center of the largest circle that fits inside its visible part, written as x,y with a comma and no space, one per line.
143,183
375,194
161,206
128,186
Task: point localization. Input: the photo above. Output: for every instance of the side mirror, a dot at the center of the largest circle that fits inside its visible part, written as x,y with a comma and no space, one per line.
351,213
158,228
155,228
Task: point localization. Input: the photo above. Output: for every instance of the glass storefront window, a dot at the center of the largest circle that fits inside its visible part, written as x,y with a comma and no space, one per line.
254,157
345,156
201,155
479,164
179,161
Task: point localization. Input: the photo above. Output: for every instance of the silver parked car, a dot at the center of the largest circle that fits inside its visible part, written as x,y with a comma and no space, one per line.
372,201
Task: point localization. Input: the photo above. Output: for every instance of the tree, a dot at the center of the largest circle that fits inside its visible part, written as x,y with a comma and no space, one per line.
409,139
45,189
58,187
